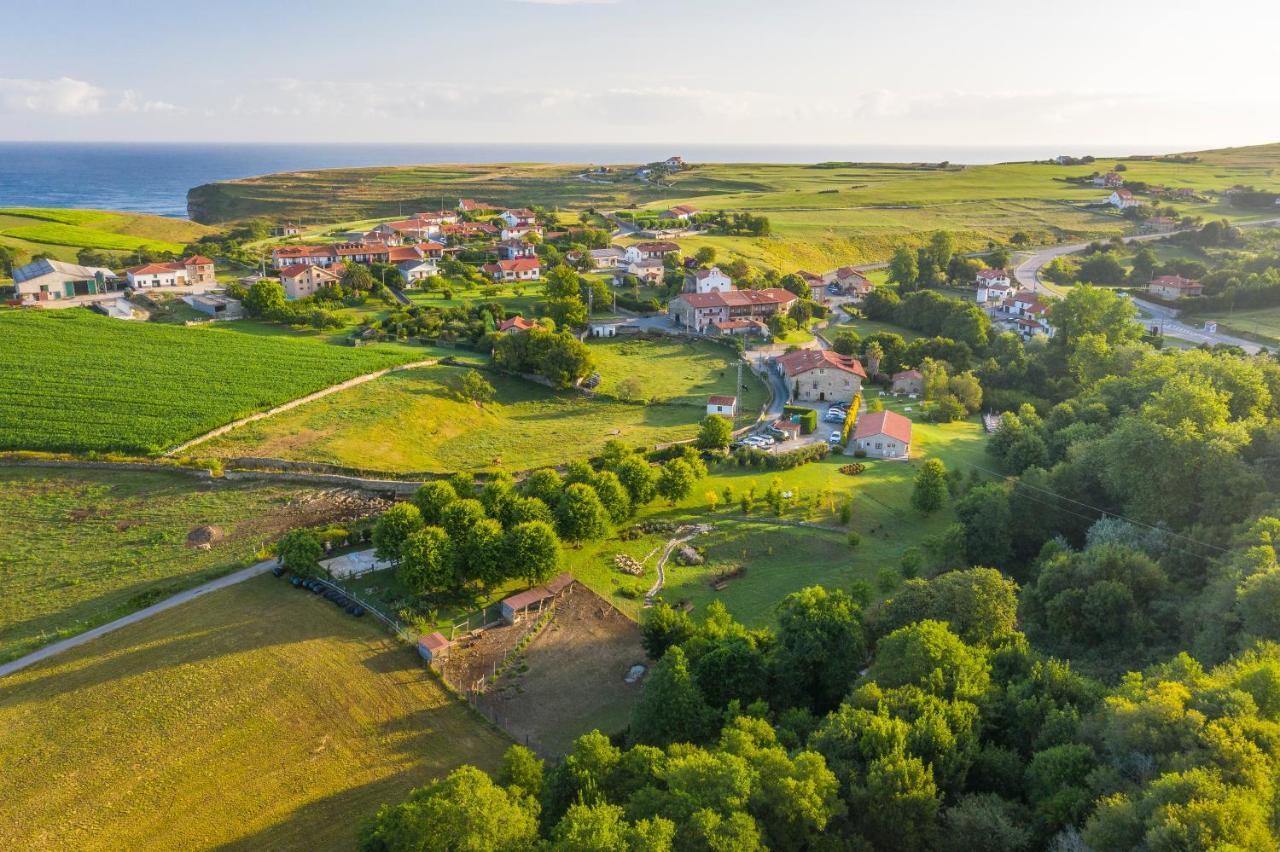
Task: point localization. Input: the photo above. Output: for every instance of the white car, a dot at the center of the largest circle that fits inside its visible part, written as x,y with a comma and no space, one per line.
834,438
766,442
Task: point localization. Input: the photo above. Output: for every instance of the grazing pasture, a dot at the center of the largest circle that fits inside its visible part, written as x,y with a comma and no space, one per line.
61,233
71,380
255,717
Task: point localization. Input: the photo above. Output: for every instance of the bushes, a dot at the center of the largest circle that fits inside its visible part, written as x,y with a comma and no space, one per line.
752,457
807,417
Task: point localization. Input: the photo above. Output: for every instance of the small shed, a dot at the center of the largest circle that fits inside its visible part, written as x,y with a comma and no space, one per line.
519,604
789,428
726,405
433,647
605,326
559,583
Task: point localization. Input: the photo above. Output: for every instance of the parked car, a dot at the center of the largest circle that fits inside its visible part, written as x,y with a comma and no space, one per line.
834,438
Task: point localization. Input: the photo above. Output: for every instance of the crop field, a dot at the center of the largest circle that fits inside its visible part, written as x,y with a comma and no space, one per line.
255,717
71,380
62,233
409,422
83,547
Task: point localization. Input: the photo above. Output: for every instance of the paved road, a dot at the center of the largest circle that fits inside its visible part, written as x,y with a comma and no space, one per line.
1028,274
111,626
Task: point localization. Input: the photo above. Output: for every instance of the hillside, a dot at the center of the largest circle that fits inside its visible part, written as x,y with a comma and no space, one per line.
61,233
822,214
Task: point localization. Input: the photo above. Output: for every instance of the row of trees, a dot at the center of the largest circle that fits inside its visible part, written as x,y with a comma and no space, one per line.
937,263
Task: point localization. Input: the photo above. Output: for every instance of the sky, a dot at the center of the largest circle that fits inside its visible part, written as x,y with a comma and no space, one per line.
1169,75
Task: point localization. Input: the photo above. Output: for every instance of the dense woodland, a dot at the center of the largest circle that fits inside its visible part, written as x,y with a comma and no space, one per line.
1086,661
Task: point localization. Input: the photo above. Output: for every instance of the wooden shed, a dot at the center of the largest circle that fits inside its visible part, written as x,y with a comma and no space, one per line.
433,647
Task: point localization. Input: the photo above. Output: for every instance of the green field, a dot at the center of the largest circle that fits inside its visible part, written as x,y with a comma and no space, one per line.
61,233
822,215
255,717
84,547
1261,324
72,380
409,422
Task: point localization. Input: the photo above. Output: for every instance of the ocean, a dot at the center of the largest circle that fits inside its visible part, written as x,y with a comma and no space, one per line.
154,177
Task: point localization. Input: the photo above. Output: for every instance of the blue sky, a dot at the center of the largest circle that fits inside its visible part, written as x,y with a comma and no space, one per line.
1163,75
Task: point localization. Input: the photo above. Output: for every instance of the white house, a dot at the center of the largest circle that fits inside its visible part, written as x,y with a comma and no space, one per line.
650,251
418,270
988,277
520,269
605,326
194,270
519,232
1123,199
707,281
882,435
726,406
681,212
516,217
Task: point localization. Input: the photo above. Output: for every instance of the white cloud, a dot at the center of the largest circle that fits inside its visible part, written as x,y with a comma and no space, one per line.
61,96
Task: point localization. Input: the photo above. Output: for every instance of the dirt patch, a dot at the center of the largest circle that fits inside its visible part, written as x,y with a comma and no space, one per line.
314,509
78,515
205,537
572,678
127,524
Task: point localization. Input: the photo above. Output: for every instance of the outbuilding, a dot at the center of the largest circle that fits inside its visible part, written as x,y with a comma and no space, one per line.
908,381
724,405
433,647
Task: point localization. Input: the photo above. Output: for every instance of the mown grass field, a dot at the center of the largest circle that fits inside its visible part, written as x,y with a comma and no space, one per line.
410,422
255,717
63,232
1261,323
71,380
83,547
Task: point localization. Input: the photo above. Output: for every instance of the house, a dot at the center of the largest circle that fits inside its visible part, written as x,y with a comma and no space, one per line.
850,281
193,271
724,405
519,232
1174,287
517,217
733,327
707,281
820,375
288,229
700,311
1123,199
648,270
1028,305
987,277
49,280
464,231
418,269
681,212
513,249
470,205
1111,179
520,269
1160,225
994,294
908,381
516,323
607,258
651,250
882,435
674,162
218,307
605,326
787,429
1027,328
302,280
433,647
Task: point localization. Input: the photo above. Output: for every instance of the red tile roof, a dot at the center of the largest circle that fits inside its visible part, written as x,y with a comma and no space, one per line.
197,260
738,298
156,268
434,642
517,322
658,246
989,274
722,400
526,599
888,423
908,374
297,269
804,360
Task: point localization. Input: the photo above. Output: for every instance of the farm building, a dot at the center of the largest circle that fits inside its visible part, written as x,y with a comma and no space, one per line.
433,647
726,405
44,280
533,600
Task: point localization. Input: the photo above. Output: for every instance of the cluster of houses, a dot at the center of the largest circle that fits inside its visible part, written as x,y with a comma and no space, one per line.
47,280
1014,309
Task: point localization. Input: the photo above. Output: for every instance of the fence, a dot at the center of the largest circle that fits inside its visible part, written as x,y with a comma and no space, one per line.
401,632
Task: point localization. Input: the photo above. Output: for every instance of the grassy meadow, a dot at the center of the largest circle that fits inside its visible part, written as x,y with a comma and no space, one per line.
255,717
84,547
71,380
63,232
410,422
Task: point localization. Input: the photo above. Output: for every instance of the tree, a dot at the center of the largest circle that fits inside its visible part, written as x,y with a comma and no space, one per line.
580,516
426,562
793,283
897,804
715,433
639,478
930,490
820,648
984,514
533,549
463,811
265,298
356,278
470,386
563,288
999,258
479,551
675,481
928,655
941,246
602,827
671,708
846,342
613,496
460,516
546,485
299,551
1091,310
705,255
392,528
431,498
985,823
664,627
523,770
1144,267
903,270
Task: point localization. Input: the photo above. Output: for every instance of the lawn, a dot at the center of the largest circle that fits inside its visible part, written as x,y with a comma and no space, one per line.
62,232
408,422
1261,324
255,717
675,371
83,547
72,380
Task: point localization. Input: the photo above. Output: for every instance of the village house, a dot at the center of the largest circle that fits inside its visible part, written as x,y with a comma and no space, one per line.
470,205
328,255
513,249
288,229
1027,305
50,280
650,251
648,270
674,162
730,328
994,294
1160,225
517,217
987,277
820,375
414,262
303,279
519,232
1174,287
850,281
681,212
726,406
1123,199
882,435
1110,179
607,258
605,326
520,269
908,381
1027,328
464,231
195,270
516,323
707,281
700,311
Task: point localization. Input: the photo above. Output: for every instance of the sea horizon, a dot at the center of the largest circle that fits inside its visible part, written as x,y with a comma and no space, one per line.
154,177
